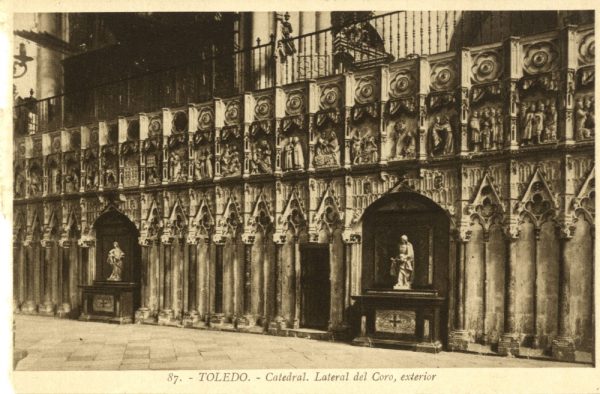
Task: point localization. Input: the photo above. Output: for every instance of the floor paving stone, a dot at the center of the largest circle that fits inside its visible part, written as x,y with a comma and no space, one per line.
56,344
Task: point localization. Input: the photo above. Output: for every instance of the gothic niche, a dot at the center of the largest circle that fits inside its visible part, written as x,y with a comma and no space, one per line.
35,178
130,154
402,123
441,133
326,139
230,146
72,172
178,148
54,173
292,142
584,117
89,162
258,144
19,178
364,135
152,149
486,128
202,145
538,121
110,158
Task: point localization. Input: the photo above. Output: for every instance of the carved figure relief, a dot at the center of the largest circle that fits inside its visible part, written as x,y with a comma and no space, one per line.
153,150
486,126
35,179
72,173
327,148
584,117
19,180
259,145
538,122
178,151
230,160
441,136
364,145
404,140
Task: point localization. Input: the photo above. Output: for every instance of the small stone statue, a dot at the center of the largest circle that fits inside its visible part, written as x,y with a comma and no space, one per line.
115,259
403,265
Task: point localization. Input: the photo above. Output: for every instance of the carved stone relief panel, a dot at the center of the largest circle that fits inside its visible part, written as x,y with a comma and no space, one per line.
443,75
364,130
72,171
19,183
259,208
586,59
487,66
130,154
538,120
202,206
327,134
486,126
401,124
152,149
584,116
177,208
53,168
203,144
442,131
260,139
90,158
441,186
110,159
178,148
230,147
293,138
541,62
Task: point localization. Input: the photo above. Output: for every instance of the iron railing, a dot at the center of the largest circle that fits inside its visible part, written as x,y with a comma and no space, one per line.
362,43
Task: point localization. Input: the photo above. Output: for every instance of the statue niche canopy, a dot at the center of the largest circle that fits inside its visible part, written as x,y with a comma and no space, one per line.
115,296
405,273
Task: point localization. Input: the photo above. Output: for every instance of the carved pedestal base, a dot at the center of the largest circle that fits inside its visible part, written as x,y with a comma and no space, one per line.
563,349
46,309
508,345
143,315
64,310
458,341
277,324
28,308
190,319
217,318
165,317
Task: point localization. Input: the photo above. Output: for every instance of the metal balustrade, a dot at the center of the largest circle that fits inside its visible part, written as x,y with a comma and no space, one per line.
379,39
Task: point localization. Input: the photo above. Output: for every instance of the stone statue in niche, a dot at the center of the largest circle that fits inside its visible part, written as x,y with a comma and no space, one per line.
19,185
364,148
91,177
175,167
230,161
110,178
260,162
34,184
293,155
402,266
475,127
72,181
538,122
115,259
327,149
203,164
584,117
487,132
404,146
442,139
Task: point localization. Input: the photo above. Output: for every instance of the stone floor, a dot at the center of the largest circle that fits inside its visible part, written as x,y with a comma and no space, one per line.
57,344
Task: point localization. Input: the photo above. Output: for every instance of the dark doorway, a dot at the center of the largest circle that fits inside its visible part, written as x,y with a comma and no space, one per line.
111,227
316,289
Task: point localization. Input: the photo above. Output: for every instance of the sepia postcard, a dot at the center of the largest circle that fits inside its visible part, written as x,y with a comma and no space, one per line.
319,197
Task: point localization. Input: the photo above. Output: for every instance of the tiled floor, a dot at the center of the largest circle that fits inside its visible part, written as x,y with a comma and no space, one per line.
56,344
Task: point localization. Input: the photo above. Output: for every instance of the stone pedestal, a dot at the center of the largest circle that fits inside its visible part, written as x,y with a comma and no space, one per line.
143,315
458,341
563,349
46,309
166,317
404,319
64,310
190,319
509,345
108,301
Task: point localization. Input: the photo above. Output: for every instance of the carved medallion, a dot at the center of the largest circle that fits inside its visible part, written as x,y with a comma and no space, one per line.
487,67
540,57
402,84
443,76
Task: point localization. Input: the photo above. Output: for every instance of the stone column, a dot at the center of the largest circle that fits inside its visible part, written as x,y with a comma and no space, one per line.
177,262
423,91
568,43
202,278
64,289
297,284
336,263
143,313
165,316
511,92
563,346
47,305
508,344
49,67
259,260
273,298
191,284
22,278
246,311
459,339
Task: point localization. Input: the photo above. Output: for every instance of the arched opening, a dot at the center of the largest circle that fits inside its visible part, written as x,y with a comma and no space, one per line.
426,226
112,226
412,314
